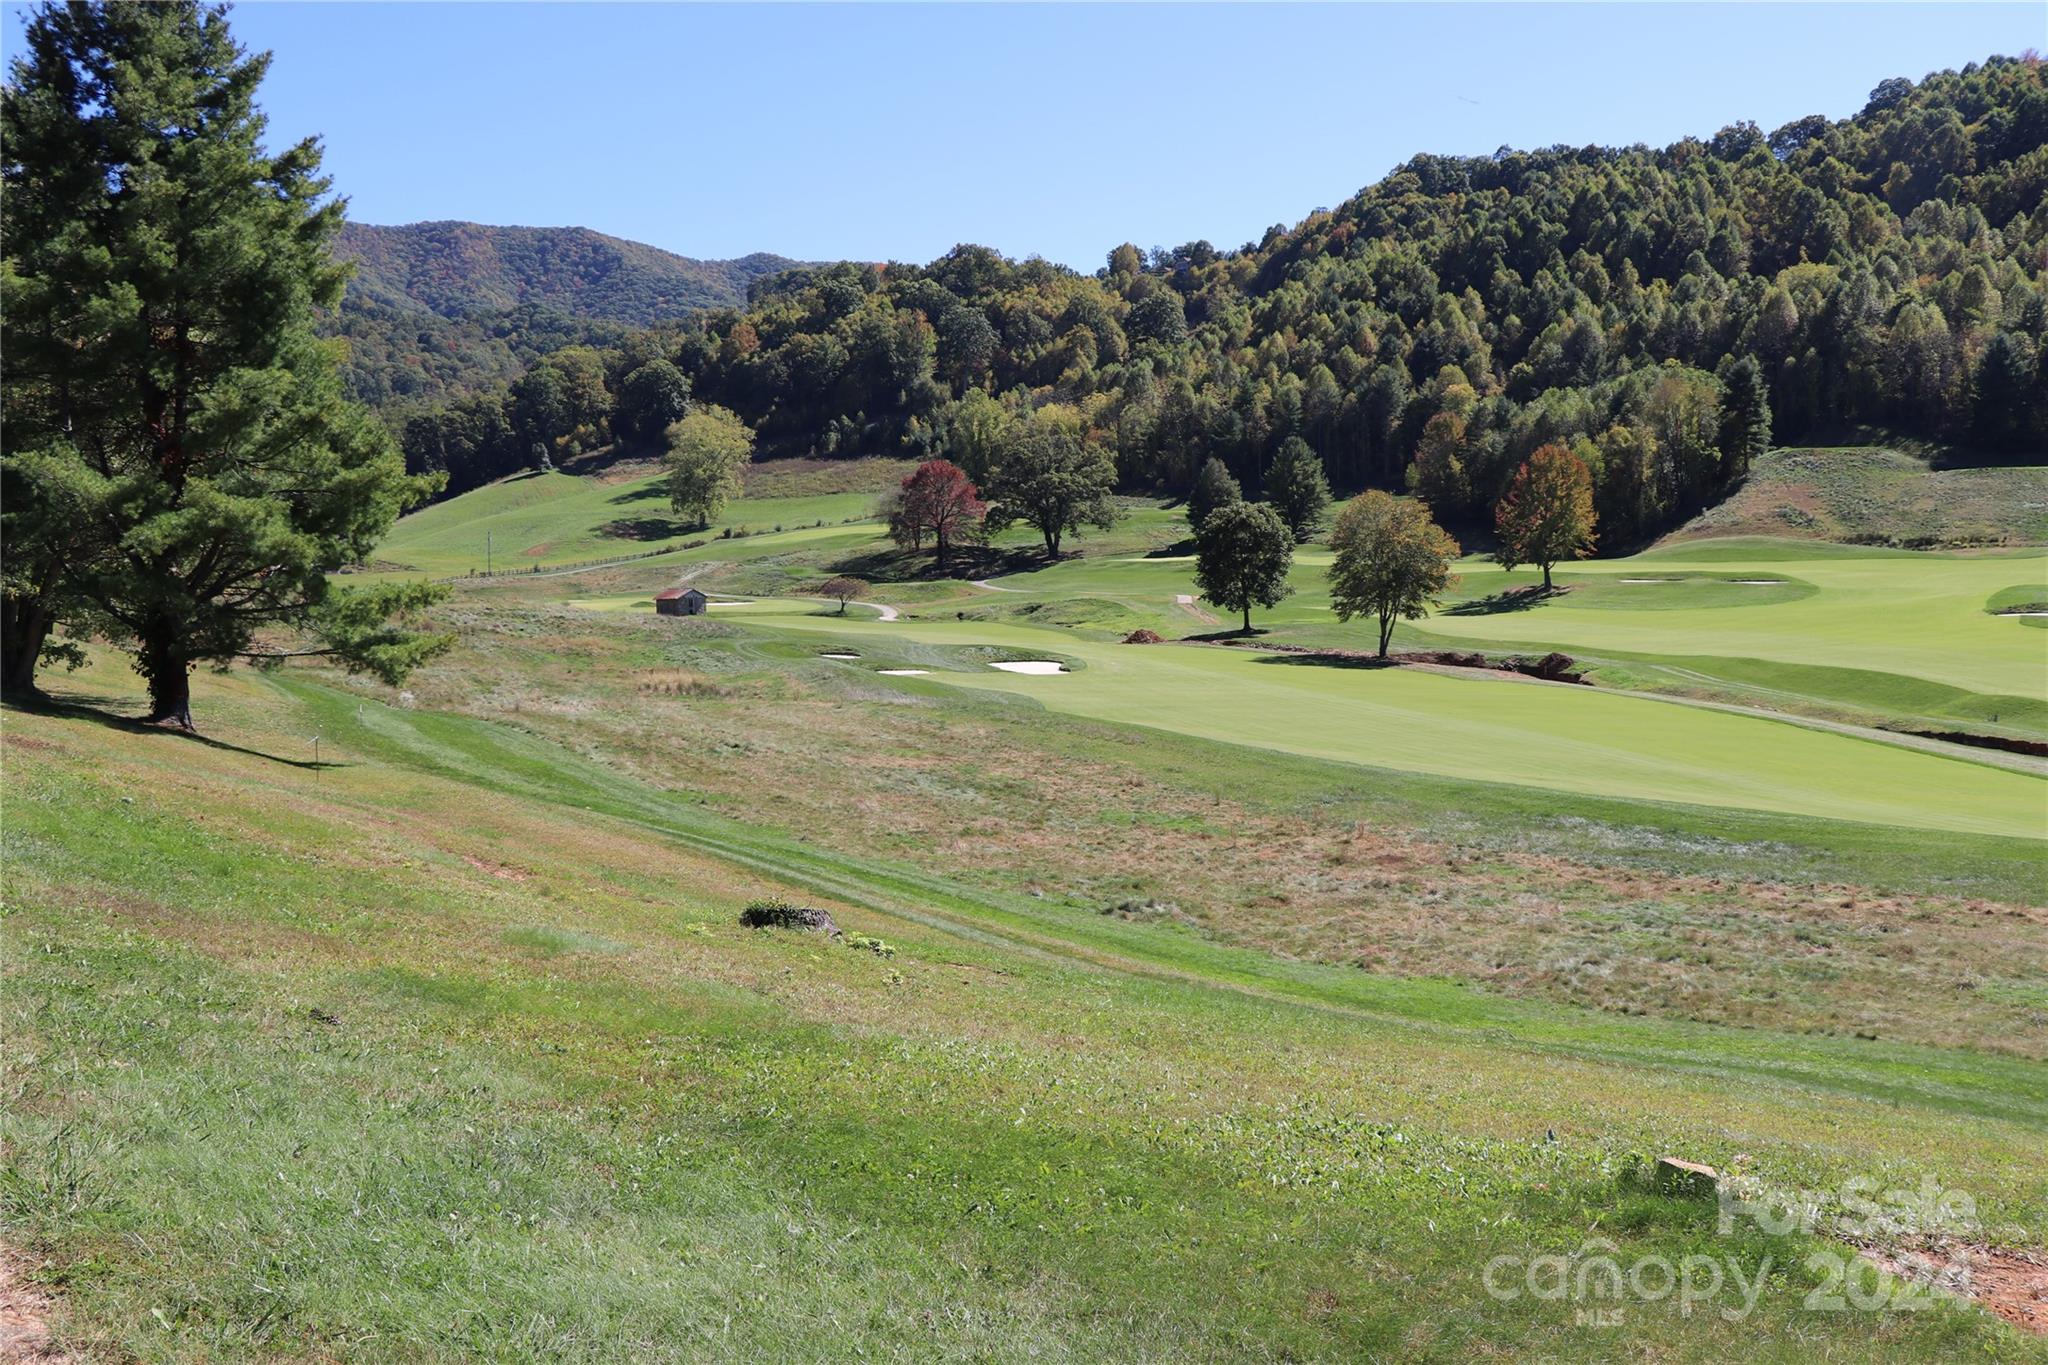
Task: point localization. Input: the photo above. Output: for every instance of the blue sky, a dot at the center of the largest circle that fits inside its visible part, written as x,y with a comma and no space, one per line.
893,132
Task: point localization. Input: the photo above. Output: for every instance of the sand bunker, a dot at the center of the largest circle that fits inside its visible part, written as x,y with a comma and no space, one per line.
903,672
839,656
1031,666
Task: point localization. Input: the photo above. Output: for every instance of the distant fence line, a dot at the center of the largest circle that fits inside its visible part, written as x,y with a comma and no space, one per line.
578,566
537,570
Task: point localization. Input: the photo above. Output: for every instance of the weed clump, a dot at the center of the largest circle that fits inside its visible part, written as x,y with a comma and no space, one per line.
872,945
1134,908
776,913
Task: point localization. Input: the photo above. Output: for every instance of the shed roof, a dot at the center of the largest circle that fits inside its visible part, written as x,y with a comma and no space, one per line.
671,594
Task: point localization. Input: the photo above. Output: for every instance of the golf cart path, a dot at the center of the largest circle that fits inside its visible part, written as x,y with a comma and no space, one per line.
992,587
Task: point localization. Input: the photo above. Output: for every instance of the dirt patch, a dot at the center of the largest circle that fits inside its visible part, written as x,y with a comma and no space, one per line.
1143,637
24,1313
2012,1284
498,870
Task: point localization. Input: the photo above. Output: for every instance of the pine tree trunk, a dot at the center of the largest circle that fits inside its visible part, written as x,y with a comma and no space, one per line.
169,675
24,626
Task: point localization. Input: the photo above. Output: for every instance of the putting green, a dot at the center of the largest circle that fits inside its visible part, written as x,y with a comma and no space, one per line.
1567,739
1921,615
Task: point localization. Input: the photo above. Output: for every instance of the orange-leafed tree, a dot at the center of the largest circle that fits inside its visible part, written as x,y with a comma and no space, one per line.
1546,515
937,500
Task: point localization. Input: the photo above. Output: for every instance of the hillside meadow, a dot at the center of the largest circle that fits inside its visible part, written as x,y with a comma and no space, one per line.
1199,1000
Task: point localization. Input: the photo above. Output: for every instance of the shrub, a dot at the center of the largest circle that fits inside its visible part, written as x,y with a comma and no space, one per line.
873,945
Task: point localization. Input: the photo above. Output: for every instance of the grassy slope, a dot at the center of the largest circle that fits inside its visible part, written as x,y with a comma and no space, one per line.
1886,496
555,518
628,1125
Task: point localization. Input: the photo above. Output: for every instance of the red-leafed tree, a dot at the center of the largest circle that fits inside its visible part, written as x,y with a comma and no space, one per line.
938,501
1546,515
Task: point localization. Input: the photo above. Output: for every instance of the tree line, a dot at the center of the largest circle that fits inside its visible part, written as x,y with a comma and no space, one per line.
1663,313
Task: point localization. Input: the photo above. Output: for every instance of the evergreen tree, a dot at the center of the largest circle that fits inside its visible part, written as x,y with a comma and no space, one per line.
1214,488
1300,493
1241,558
1745,419
2004,398
165,389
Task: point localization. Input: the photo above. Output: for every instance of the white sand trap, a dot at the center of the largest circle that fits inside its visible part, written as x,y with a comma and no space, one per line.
839,656
1648,580
1758,582
903,672
1031,666
2023,613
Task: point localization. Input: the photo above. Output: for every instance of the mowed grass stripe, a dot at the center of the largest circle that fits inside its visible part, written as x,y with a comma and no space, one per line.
1565,739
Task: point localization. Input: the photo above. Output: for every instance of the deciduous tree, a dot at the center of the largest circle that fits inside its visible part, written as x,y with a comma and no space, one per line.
846,589
1051,480
1392,561
938,500
706,461
651,399
1546,515
1438,475
1242,554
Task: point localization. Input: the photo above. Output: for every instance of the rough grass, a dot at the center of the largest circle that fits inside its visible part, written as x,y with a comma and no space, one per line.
1875,495
292,1073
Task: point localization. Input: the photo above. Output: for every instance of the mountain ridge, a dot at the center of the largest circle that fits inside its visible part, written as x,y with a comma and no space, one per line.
440,309
575,270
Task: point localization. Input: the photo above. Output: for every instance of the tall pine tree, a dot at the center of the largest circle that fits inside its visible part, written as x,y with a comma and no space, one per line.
190,469
1300,492
1745,419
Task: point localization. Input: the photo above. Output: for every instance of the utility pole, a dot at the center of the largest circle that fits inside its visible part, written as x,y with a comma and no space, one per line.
487,554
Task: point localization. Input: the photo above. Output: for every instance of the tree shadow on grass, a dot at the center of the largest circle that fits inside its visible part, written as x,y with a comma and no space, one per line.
1514,599
1180,549
645,528
1372,661
643,493
1235,635
95,709
967,562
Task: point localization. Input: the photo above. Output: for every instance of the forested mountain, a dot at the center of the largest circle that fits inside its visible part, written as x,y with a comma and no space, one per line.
1642,305
441,308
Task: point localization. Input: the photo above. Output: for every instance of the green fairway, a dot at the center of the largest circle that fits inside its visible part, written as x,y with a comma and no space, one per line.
539,520
1570,739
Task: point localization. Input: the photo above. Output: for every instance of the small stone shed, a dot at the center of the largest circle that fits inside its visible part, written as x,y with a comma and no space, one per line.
679,602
